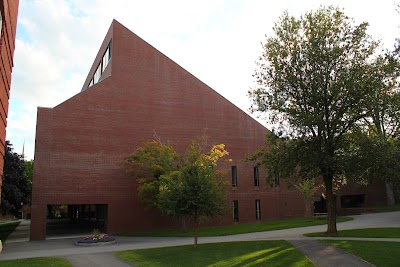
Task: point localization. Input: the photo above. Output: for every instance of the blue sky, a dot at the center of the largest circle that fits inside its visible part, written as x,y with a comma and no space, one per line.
217,41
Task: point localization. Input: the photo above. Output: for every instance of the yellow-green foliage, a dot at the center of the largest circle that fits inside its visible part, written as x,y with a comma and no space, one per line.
147,164
187,186
307,188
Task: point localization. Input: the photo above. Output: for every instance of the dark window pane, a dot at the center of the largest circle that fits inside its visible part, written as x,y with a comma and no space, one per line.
235,210
256,177
258,209
234,176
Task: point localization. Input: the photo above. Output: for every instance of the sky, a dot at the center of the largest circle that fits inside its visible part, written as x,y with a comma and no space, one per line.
218,41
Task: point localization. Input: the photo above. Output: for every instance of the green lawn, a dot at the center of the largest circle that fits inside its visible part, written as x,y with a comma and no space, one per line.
386,208
254,253
241,228
6,229
36,262
378,253
367,233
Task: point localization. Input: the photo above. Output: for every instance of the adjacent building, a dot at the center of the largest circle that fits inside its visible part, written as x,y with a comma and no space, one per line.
8,19
133,93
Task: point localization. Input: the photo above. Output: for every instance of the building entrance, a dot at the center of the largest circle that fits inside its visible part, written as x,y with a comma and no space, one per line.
82,219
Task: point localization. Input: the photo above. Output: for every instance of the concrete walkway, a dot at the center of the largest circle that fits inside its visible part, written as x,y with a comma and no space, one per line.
323,255
317,252
21,233
98,260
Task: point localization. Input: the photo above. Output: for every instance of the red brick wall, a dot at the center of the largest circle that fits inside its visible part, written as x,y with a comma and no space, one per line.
375,194
9,12
81,143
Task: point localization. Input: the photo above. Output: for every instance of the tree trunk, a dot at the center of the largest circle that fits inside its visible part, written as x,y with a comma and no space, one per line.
308,204
195,234
330,205
184,228
389,194
196,225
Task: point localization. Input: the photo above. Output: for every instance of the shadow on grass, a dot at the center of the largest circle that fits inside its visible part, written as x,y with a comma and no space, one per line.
254,253
262,257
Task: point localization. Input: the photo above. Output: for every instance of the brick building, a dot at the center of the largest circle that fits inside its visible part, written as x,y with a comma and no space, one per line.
8,19
131,92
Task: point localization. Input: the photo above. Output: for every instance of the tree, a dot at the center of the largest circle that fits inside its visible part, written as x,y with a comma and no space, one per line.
28,174
197,191
307,188
377,159
281,161
376,141
383,124
147,164
314,77
15,188
181,186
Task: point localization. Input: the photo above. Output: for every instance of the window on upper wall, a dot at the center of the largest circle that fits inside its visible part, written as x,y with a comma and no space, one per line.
1,24
97,74
235,210
256,176
258,209
106,57
234,176
102,66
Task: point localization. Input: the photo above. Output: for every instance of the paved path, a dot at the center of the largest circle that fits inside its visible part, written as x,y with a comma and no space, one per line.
21,233
323,255
65,247
97,260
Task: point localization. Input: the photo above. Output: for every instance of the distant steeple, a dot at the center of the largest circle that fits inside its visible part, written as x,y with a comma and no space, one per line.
23,151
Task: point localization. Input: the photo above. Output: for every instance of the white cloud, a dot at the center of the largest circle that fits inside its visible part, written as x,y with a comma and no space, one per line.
217,41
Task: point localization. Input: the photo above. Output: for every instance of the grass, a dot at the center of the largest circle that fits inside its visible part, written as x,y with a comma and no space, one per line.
378,253
36,262
366,233
240,228
6,229
252,253
386,208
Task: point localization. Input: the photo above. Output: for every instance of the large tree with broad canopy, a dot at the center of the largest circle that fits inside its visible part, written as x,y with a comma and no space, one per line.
315,81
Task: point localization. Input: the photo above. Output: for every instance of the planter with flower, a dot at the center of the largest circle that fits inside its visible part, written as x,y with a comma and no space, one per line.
95,239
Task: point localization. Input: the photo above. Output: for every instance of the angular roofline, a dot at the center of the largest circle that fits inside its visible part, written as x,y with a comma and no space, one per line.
106,40
114,20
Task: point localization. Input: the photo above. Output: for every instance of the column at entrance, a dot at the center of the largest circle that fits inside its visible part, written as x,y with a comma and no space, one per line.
38,222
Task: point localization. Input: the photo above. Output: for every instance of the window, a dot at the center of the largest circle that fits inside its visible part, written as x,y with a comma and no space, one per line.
258,210
97,74
235,210
234,176
256,176
102,66
1,23
106,58
352,201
